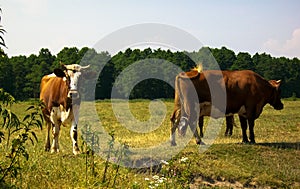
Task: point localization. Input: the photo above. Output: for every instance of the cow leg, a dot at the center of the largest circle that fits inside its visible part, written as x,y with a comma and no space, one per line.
200,124
172,135
47,144
73,130
194,130
251,130
174,124
229,125
192,120
74,136
56,122
55,133
243,122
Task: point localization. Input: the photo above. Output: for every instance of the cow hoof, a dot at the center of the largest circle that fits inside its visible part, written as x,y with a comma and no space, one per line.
228,134
47,149
54,150
199,142
173,143
76,153
252,142
245,142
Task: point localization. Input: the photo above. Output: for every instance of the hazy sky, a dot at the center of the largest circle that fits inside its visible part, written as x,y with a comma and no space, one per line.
271,26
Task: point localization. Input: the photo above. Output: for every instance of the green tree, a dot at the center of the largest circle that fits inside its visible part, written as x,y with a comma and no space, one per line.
67,56
224,57
7,78
262,63
37,67
18,65
206,58
243,62
100,86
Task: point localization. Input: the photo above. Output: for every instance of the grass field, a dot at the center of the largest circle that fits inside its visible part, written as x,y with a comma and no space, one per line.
274,162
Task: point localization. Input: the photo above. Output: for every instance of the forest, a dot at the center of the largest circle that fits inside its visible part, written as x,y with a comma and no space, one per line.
21,75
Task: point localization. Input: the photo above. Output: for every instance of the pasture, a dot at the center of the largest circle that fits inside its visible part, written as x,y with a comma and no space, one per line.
274,162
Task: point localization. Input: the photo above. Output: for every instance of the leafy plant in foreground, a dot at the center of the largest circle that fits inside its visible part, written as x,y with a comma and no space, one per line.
90,146
20,131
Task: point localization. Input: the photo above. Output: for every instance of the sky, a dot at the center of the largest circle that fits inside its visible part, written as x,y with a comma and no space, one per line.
270,26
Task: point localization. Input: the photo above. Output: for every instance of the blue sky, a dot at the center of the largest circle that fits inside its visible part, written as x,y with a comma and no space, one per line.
271,26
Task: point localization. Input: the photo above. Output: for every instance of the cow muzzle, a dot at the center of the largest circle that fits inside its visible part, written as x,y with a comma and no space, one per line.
278,106
73,94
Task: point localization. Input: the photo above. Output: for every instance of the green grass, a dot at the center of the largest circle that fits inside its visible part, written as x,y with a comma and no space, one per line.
273,162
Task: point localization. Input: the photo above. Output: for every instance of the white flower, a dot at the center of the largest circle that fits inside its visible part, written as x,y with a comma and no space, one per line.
164,162
147,178
156,177
184,159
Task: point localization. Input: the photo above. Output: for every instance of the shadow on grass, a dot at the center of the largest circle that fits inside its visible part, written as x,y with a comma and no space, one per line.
282,145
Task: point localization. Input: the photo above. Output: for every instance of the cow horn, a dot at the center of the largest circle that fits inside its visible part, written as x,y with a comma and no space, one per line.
69,67
84,67
278,81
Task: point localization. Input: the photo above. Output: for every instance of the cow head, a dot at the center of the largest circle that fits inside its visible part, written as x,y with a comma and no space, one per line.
275,99
72,75
179,122
182,126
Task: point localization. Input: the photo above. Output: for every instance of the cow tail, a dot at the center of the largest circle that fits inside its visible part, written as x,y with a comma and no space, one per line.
180,97
177,101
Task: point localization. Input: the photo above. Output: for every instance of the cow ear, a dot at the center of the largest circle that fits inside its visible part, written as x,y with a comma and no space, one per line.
59,72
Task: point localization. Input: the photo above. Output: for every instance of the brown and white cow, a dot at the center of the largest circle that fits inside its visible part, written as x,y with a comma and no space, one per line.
243,92
60,95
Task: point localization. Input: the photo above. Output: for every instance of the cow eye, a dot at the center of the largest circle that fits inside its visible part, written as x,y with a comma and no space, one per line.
74,71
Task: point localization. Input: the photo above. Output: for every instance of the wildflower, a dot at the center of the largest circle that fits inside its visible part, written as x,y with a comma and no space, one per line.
156,177
164,162
184,159
147,179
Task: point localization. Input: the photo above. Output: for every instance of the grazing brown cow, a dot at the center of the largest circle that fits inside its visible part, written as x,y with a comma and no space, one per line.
59,92
226,92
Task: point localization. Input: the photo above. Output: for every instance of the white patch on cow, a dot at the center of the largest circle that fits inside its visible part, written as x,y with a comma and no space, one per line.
74,78
52,75
59,116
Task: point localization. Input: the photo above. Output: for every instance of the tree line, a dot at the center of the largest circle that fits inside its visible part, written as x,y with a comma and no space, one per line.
21,75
